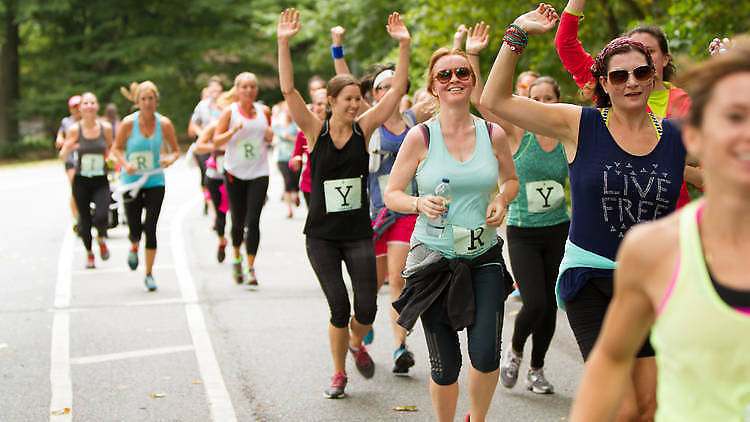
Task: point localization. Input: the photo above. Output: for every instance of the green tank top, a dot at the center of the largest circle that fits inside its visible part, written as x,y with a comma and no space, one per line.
702,344
541,179
472,184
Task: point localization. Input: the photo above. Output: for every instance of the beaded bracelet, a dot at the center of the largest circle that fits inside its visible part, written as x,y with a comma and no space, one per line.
516,38
337,52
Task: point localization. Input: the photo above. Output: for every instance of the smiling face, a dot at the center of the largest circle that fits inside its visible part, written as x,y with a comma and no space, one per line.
89,105
652,45
247,89
632,94
346,104
319,103
147,100
379,92
722,141
454,89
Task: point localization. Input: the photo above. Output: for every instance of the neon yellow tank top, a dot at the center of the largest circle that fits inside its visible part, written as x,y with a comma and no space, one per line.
702,344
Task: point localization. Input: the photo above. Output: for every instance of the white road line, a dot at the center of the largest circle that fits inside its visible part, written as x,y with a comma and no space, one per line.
122,269
131,354
218,397
154,302
60,381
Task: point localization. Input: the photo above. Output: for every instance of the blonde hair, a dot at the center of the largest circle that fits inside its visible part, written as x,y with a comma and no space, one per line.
439,54
136,89
244,76
226,98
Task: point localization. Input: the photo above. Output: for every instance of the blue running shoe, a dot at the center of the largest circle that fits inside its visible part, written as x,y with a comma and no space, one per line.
133,259
369,337
149,282
403,359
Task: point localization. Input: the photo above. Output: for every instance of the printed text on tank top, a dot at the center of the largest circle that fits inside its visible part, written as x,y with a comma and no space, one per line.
144,160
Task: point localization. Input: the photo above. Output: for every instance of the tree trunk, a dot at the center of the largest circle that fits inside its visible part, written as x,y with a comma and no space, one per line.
9,75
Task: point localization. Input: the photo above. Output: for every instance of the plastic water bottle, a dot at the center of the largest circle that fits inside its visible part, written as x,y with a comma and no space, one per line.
436,226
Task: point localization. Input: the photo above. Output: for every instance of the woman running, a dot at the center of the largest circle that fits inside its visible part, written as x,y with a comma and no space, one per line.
338,225
244,131
91,139
138,148
301,157
474,158
685,277
286,132
66,123
625,166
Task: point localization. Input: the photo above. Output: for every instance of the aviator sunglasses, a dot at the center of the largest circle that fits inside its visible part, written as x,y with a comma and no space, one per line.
462,73
641,73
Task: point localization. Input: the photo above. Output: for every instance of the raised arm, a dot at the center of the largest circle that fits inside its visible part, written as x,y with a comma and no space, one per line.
339,63
458,37
378,114
559,121
307,121
572,54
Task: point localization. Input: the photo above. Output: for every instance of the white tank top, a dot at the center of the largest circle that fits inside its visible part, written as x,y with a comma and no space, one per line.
247,153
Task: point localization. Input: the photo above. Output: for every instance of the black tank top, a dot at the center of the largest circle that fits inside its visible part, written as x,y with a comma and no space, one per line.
91,154
339,205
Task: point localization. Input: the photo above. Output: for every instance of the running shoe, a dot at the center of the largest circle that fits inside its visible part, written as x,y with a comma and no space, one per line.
369,337
237,271
364,362
509,369
133,259
403,359
537,383
149,282
221,252
252,280
336,390
205,208
90,261
103,251
468,417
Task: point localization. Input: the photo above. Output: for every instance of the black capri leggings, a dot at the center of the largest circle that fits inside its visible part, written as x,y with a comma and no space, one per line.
150,199
201,159
484,335
246,200
213,186
359,256
85,191
535,255
291,178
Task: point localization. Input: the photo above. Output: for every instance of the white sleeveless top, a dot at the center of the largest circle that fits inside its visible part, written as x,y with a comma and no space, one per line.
247,153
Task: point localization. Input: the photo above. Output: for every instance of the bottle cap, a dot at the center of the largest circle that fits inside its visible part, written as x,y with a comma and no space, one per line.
446,180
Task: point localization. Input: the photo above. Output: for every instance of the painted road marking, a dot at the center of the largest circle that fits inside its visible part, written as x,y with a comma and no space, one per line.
131,354
118,269
59,374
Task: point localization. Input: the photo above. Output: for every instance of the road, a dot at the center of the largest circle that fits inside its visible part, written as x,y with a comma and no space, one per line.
93,345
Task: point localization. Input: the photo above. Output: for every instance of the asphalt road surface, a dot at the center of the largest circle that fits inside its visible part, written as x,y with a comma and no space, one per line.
93,345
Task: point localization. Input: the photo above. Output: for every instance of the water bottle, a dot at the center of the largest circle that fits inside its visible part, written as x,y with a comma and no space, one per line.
436,226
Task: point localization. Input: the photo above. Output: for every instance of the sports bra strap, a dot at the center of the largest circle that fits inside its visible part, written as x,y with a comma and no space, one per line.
654,120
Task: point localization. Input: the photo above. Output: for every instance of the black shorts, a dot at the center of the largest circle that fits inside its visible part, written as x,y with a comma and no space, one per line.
291,178
586,315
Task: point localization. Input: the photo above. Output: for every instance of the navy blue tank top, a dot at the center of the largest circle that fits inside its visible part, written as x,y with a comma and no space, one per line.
612,190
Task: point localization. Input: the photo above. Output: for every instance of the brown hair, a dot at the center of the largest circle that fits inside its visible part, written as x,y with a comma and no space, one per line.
337,84
546,80
439,54
661,38
699,81
601,65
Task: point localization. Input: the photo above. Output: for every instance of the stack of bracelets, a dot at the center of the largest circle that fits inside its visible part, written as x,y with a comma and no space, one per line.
516,38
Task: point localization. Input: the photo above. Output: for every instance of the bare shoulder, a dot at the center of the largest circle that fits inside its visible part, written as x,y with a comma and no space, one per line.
106,124
165,120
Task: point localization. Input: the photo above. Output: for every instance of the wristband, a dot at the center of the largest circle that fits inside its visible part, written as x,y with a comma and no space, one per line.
337,52
472,54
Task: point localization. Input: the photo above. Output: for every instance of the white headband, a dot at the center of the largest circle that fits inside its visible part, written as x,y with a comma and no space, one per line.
388,73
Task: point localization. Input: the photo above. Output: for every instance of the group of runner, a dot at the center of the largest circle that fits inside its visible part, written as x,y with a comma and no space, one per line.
374,176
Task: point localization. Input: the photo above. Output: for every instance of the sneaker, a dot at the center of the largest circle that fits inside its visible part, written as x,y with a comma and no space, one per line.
237,271
103,251
537,383
149,282
369,337
90,261
252,280
133,259
221,252
509,369
336,390
364,362
468,417
205,208
403,359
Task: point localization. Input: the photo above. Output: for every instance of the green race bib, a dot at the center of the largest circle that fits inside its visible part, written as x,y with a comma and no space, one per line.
92,165
249,149
143,160
472,241
343,194
544,195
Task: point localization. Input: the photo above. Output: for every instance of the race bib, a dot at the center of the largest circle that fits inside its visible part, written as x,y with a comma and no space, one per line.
472,241
143,160
343,194
92,165
219,164
544,195
383,183
249,149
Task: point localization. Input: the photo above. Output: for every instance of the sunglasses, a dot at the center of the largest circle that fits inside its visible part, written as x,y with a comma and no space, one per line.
641,73
462,73
382,88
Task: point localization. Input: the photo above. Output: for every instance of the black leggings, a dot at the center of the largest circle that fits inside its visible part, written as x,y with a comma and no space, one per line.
484,335
359,256
535,255
150,199
246,200
85,191
291,178
201,159
213,186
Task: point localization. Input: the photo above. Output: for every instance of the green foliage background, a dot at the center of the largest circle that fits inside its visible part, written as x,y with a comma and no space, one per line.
71,46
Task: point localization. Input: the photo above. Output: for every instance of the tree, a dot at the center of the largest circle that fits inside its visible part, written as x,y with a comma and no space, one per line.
9,75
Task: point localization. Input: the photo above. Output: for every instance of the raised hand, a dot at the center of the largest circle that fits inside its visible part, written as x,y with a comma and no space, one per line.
288,24
396,28
458,37
478,39
718,46
538,21
337,35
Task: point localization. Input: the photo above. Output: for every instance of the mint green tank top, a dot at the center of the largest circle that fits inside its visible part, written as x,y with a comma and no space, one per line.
144,153
472,184
702,344
541,178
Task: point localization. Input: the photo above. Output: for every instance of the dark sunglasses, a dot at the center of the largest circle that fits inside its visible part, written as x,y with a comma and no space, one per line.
462,73
641,73
382,88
